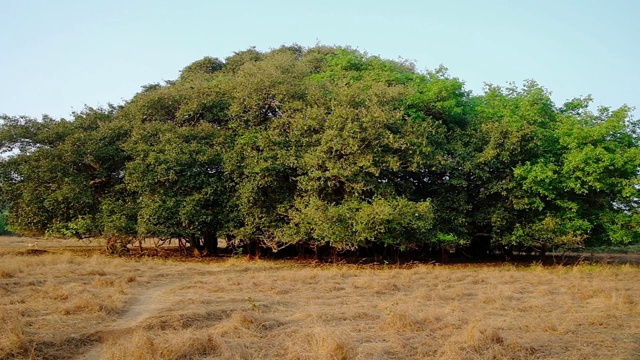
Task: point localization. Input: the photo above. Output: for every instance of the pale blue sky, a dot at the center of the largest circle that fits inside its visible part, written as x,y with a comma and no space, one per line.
56,56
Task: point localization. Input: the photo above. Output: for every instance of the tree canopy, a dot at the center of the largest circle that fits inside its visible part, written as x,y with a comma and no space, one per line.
328,147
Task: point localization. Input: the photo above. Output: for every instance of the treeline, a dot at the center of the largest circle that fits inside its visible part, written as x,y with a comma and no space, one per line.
328,147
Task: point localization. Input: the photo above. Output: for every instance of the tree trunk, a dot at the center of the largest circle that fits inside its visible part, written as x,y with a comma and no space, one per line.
210,239
301,250
445,255
194,242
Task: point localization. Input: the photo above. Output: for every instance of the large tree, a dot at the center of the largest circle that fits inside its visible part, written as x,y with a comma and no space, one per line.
55,174
328,147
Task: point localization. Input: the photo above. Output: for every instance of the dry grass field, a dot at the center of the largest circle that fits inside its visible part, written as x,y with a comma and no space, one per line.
62,304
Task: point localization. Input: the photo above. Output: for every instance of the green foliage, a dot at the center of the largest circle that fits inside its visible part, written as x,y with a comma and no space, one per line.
202,67
328,145
351,224
62,171
83,226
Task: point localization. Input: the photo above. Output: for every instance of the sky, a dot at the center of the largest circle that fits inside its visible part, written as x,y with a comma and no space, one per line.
58,56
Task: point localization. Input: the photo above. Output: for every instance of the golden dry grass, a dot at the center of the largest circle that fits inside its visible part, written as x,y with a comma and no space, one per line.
67,306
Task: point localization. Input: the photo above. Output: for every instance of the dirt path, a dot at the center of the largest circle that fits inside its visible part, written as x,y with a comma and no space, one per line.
147,303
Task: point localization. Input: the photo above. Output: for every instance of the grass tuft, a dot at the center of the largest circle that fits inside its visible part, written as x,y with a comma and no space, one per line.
13,340
319,342
480,341
170,346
